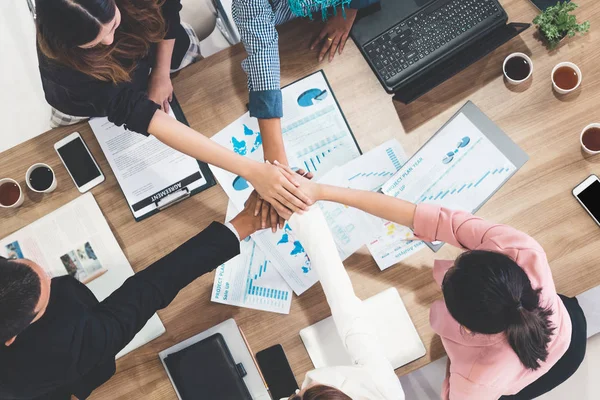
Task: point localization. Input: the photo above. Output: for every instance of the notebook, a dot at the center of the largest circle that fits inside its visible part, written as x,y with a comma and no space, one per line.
239,352
393,325
206,369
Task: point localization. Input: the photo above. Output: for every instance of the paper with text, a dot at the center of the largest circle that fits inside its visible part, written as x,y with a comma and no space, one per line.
147,169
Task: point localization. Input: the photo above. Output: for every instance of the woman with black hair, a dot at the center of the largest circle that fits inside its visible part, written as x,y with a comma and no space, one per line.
508,334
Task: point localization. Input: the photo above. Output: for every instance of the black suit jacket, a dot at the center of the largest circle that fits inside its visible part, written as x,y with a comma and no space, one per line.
72,348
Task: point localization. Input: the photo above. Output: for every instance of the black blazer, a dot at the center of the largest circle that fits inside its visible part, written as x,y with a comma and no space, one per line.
72,348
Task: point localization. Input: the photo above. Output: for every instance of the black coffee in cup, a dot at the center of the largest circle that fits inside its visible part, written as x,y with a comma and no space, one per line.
517,68
41,178
9,193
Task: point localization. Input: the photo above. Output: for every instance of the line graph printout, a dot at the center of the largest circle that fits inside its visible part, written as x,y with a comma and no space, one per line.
458,168
250,280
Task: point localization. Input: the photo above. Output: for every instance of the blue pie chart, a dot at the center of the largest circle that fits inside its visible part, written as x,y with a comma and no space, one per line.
240,184
311,97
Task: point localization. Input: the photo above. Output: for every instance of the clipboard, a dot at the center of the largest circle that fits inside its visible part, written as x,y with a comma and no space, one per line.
494,134
165,196
171,196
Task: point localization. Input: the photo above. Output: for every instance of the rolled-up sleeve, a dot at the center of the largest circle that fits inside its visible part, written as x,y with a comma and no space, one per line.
170,11
255,20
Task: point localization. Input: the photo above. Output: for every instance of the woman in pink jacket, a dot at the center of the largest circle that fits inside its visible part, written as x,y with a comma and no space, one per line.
508,334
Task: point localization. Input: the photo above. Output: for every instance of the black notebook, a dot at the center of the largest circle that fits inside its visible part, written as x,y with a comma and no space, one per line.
206,370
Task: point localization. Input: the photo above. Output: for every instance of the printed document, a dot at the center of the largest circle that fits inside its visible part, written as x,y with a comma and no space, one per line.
147,169
250,280
76,240
316,138
458,168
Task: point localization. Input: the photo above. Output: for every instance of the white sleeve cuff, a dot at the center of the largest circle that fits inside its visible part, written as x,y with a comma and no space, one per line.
232,228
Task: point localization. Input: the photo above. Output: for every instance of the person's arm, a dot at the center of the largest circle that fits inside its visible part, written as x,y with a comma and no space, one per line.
113,323
276,188
160,88
255,20
353,325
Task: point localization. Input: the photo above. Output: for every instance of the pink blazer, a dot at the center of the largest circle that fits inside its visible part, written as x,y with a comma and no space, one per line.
485,367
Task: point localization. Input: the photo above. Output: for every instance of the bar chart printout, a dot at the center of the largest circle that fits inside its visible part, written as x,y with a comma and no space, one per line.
250,280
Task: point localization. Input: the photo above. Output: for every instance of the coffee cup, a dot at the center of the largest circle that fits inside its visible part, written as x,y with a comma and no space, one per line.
40,178
517,68
590,139
566,77
11,194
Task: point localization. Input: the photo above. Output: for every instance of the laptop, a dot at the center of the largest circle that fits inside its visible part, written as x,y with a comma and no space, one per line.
395,332
414,45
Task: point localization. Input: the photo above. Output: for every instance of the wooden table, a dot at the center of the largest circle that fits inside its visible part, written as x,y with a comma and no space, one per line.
213,94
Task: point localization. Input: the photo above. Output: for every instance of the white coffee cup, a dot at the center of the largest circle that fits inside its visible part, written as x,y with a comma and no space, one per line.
595,125
21,198
566,64
513,55
42,165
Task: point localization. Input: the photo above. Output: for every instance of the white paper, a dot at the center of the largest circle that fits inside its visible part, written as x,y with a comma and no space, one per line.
316,138
459,168
147,169
351,228
67,230
250,280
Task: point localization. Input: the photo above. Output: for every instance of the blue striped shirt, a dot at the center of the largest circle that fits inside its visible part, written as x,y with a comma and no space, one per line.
256,21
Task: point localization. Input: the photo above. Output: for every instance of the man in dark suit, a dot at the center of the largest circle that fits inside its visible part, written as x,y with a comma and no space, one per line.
59,341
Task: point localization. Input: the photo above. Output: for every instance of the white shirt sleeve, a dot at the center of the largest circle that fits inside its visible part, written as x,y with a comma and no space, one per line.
232,228
353,325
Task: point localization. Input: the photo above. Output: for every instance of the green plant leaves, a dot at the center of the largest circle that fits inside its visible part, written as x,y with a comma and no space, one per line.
556,22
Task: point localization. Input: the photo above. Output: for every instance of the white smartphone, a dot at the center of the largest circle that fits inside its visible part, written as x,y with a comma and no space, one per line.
588,194
79,162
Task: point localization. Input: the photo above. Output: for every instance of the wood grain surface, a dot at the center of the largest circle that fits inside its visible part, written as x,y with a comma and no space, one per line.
213,94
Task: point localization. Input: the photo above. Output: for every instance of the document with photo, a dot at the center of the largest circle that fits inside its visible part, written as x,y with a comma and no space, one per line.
76,240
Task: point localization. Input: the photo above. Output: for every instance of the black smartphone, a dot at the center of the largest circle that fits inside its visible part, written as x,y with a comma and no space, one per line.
277,372
543,4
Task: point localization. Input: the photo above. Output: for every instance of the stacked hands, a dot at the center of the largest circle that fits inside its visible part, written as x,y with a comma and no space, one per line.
279,192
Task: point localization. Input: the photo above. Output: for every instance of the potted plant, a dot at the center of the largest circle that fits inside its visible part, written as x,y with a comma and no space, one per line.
556,23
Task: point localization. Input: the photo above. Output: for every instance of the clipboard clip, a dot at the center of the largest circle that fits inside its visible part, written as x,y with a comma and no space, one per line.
173,198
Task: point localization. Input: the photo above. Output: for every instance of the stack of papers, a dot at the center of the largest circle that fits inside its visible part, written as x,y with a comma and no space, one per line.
317,138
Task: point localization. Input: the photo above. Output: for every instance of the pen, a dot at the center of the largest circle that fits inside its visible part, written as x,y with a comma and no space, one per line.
254,359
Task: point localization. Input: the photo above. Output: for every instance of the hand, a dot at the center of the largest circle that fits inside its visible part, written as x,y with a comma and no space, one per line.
160,88
246,223
268,214
310,188
335,33
279,188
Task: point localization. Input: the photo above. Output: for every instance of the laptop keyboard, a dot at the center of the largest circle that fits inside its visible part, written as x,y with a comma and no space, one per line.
426,32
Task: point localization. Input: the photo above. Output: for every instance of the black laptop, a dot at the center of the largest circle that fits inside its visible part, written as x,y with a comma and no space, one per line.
414,45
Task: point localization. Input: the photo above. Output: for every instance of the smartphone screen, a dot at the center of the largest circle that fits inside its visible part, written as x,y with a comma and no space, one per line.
590,197
79,162
543,4
277,372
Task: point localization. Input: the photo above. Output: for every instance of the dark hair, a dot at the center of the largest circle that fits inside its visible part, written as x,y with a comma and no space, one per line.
489,293
64,25
321,392
20,290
